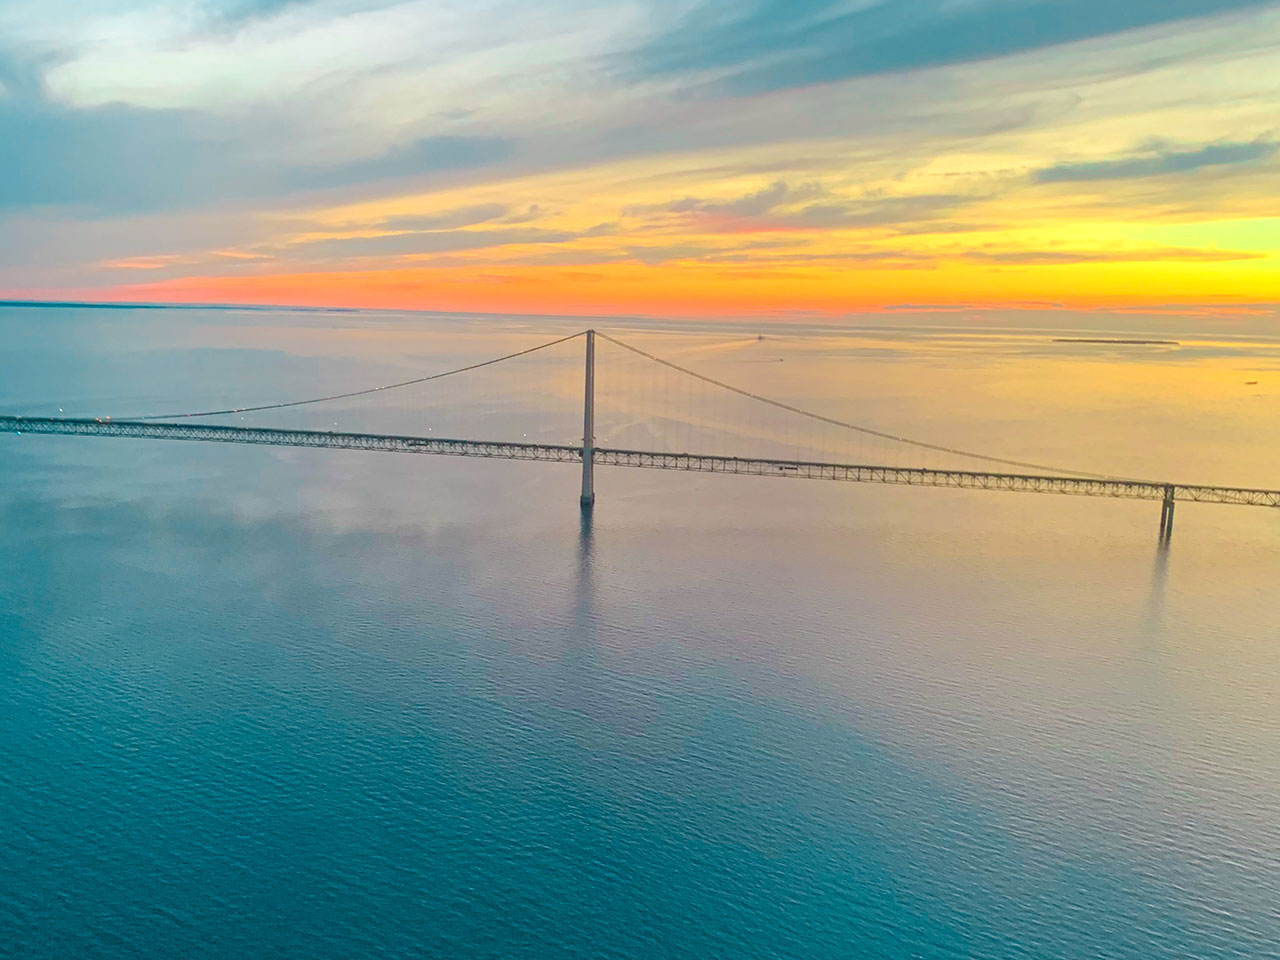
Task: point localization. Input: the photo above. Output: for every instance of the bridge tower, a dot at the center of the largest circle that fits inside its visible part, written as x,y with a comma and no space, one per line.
589,424
1166,514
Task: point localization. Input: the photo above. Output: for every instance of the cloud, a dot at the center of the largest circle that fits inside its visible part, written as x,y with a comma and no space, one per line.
117,157
561,258
764,45
246,11
1034,258
653,256
1160,162
780,207
429,154
122,159
107,159
436,241
22,75
225,19
755,204
530,213
873,212
449,219
888,258
38,248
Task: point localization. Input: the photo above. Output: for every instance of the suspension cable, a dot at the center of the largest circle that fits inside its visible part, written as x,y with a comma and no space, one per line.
858,427
353,393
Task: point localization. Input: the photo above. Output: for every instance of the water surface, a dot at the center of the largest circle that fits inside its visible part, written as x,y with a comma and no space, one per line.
296,703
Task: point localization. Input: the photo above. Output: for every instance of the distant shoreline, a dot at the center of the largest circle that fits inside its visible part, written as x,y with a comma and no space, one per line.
112,305
1162,343
81,303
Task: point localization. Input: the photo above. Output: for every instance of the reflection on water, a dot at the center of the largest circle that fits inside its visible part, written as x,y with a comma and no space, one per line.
1159,580
330,704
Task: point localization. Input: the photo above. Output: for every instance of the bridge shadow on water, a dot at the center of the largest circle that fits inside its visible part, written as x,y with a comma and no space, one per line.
1153,618
584,585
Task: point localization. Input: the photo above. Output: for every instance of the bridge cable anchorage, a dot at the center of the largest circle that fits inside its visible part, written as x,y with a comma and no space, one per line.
869,431
353,393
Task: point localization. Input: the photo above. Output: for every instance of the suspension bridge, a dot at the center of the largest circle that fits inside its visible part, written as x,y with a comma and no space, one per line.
1029,477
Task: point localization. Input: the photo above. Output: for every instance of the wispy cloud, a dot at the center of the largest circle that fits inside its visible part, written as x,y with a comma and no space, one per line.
755,204
448,219
1161,161
762,45
1152,255
420,243
425,155
122,159
238,13
784,207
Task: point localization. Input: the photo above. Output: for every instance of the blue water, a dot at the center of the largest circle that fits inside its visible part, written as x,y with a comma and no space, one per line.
291,703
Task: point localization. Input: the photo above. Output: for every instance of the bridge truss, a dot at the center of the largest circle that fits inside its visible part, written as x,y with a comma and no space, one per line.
1029,478
653,460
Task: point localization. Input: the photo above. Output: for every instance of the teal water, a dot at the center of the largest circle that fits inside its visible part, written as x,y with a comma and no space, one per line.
289,703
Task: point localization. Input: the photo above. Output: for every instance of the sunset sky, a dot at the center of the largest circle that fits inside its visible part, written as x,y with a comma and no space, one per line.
770,158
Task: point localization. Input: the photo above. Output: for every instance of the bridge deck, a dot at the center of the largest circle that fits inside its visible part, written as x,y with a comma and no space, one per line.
700,463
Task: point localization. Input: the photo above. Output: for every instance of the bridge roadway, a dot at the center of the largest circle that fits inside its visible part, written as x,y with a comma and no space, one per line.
698,463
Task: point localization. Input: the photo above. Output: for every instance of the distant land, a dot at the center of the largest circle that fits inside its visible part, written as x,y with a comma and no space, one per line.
108,305
1165,343
76,303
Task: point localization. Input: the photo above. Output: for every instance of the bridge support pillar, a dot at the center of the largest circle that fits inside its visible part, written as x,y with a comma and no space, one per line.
589,424
1166,515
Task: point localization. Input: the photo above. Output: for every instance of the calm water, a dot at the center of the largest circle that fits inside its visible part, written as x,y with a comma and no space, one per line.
288,703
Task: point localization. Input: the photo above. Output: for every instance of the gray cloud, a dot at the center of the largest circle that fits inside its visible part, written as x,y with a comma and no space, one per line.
1160,162
430,154
122,159
777,194
233,15
755,204
873,211
240,11
117,158
436,241
764,45
530,213
107,159
776,207
22,74
450,219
